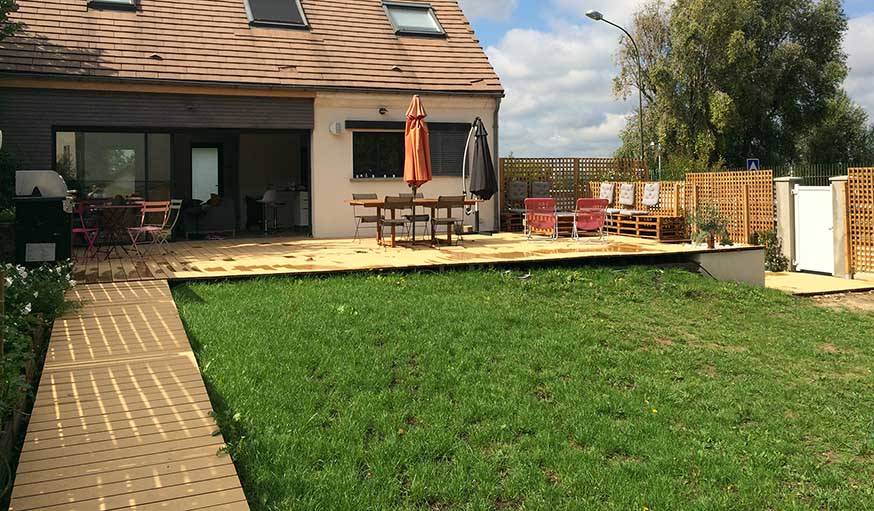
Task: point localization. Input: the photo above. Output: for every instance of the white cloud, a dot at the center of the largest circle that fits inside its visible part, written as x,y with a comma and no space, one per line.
489,9
858,45
559,83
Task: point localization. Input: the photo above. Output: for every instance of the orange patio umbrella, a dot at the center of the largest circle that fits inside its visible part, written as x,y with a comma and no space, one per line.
417,149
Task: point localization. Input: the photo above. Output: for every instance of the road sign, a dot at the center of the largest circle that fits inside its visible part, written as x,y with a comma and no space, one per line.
754,164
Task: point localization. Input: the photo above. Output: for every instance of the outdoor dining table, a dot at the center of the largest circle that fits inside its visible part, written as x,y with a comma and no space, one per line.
424,203
113,221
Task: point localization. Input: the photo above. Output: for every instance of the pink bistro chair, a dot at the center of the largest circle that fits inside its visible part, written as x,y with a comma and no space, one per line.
150,233
540,218
590,216
88,233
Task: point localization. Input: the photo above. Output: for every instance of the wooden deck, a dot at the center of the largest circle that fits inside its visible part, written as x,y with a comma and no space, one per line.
122,419
194,260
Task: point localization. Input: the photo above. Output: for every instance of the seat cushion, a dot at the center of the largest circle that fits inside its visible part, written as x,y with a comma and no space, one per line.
651,192
626,194
607,192
365,219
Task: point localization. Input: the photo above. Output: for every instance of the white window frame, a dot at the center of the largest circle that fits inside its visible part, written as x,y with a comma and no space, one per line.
262,23
401,30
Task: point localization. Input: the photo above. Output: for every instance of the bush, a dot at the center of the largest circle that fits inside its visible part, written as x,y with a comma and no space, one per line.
774,258
7,215
33,299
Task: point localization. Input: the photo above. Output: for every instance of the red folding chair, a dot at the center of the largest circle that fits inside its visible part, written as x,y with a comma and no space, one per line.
590,216
158,213
88,232
540,218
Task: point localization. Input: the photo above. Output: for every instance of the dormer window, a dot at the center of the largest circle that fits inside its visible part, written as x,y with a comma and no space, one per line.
413,18
122,5
276,13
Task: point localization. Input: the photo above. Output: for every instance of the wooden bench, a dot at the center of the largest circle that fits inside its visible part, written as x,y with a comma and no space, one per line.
671,229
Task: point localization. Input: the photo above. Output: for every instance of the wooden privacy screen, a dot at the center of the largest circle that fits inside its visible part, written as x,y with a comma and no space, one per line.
860,216
745,198
568,177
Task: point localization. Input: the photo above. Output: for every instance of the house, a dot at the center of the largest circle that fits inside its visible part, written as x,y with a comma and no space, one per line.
170,99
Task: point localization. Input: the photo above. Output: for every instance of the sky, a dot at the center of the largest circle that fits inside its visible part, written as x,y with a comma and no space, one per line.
557,68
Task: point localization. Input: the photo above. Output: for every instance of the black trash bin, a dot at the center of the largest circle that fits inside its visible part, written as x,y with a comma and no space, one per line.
43,218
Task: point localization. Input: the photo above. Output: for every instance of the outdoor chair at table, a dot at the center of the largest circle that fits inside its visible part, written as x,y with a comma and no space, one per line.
448,204
153,220
541,190
166,234
590,216
363,220
541,218
514,207
413,217
392,207
86,226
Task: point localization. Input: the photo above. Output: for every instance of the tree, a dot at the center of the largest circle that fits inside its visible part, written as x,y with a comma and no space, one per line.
728,79
7,26
844,135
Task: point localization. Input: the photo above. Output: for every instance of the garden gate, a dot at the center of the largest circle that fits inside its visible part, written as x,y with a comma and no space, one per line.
814,229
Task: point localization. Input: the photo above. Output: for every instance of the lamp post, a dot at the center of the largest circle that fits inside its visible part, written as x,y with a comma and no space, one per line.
597,16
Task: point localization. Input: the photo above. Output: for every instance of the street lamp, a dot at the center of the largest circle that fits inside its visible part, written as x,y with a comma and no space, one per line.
597,16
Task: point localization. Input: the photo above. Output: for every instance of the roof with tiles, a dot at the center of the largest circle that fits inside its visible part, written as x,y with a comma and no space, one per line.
349,44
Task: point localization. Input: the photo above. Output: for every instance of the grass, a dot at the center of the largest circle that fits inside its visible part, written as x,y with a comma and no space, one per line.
570,389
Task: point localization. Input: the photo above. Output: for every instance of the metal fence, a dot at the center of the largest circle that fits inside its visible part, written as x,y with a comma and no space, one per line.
812,174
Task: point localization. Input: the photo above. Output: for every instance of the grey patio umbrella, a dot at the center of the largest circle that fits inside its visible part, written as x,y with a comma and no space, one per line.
483,180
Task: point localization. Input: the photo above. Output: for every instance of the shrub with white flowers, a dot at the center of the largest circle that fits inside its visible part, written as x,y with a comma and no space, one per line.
33,297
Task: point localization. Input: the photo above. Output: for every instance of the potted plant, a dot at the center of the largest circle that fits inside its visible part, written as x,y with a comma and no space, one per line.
708,224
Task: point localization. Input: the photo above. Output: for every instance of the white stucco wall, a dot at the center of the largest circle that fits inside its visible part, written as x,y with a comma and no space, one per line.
332,184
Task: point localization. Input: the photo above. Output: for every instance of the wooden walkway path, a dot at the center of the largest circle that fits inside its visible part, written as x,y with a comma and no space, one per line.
122,419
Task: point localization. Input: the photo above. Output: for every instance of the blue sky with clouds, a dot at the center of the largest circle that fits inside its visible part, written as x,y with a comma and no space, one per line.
557,67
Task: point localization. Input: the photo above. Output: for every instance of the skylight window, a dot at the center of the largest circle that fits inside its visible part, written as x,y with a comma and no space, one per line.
413,18
283,13
125,5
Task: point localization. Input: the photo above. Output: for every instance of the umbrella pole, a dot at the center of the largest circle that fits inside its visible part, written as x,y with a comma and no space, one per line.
415,189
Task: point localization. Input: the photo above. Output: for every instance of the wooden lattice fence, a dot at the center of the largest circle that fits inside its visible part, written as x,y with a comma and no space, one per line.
745,198
568,177
860,217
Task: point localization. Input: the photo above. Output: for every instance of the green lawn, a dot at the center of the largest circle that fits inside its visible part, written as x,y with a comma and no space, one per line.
572,389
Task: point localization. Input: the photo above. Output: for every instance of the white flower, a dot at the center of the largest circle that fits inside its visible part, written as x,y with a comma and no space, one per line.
8,281
72,282
22,272
36,294
26,309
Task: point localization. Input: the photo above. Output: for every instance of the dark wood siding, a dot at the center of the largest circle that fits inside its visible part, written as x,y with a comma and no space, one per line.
28,116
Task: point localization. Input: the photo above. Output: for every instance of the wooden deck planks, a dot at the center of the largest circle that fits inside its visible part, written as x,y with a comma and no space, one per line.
122,418
217,259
